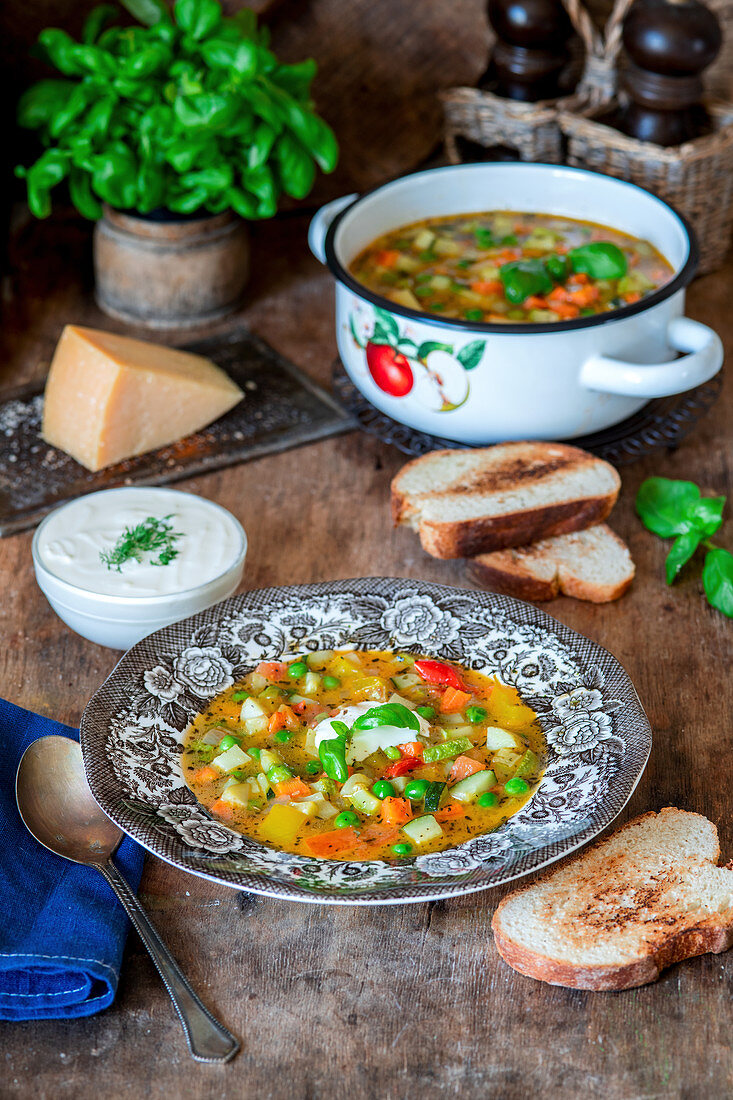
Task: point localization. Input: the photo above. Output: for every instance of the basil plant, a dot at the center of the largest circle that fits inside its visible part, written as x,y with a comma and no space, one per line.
188,111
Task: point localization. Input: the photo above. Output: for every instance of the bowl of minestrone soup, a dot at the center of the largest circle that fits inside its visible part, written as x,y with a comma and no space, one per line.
488,302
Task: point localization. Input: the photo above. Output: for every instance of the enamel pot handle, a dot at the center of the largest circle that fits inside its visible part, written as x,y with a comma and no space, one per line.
319,226
702,358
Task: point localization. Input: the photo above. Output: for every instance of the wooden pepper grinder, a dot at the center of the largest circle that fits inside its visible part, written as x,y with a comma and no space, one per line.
531,49
669,43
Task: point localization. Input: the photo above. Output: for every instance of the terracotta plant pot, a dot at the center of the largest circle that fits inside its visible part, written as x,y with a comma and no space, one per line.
170,273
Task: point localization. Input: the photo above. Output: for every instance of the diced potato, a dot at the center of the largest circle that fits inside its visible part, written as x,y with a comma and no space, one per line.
487,272
446,246
214,736
231,759
422,829
423,240
504,763
309,745
440,282
407,263
311,683
252,709
253,726
395,698
353,783
282,824
257,683
268,759
497,738
308,807
238,794
319,659
403,296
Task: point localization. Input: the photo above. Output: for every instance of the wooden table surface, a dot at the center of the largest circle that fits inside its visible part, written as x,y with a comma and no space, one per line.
394,1002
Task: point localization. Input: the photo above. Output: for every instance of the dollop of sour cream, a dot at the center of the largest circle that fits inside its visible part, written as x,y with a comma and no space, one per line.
72,539
364,742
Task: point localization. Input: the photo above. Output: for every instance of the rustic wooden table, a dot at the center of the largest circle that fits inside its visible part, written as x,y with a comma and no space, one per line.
399,1001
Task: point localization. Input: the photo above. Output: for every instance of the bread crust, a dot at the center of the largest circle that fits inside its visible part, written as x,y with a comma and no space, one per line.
513,582
467,538
707,936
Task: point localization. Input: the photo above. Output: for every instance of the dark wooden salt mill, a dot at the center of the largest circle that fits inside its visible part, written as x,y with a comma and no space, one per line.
668,44
531,49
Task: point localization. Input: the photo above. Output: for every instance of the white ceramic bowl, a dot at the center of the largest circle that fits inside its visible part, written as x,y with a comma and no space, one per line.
518,381
119,621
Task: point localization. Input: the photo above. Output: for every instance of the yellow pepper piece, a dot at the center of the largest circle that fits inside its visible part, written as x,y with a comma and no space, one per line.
282,824
507,710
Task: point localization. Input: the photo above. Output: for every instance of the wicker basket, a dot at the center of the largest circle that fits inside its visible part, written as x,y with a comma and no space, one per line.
696,178
531,129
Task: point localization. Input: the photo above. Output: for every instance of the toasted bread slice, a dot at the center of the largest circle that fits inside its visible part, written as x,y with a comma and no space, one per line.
464,503
613,917
594,565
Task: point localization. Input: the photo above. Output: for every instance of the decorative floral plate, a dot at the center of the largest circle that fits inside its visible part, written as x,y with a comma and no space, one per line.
598,734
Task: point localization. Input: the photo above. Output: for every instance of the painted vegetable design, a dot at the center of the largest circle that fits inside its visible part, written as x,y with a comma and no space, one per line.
434,372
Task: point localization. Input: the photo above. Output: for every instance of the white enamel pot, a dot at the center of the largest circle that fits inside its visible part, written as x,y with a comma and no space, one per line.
480,383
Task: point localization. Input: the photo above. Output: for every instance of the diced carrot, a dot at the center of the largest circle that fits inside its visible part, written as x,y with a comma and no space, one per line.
207,774
487,286
535,302
507,256
328,844
450,812
272,670
584,296
276,722
463,766
566,311
581,277
292,788
631,297
375,836
558,294
452,700
221,809
291,722
388,257
411,748
395,811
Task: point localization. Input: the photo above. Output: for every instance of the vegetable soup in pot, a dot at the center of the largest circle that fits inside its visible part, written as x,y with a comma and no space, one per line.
361,755
505,267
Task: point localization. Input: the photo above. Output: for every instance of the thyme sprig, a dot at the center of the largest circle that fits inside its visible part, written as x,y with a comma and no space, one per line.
145,538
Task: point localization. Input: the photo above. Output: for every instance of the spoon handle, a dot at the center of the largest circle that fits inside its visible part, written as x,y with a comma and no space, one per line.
207,1039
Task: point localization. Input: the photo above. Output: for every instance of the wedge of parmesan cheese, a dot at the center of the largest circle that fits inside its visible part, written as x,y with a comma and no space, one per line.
110,397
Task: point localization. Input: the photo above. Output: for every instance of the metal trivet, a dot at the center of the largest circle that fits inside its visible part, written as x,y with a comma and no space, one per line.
662,423
281,408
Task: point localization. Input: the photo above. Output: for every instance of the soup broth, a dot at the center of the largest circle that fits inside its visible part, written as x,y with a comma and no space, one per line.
504,268
364,755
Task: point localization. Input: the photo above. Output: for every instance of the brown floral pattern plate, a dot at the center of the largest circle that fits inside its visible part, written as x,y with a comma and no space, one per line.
597,732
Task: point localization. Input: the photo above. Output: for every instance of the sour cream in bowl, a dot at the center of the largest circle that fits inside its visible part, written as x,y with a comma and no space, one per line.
121,563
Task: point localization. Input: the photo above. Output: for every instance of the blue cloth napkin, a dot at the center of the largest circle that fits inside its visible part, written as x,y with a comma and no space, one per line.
62,930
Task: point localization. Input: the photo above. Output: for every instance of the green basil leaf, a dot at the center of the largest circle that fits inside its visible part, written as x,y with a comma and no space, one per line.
75,105
114,177
151,185
259,182
50,168
188,202
150,61
94,60
241,203
432,345
706,515
245,20
262,142
599,259
523,278
214,179
197,17
148,12
263,106
81,195
296,79
99,116
59,48
717,580
663,505
41,102
389,714
296,169
683,547
96,21
182,155
207,110
470,355
241,56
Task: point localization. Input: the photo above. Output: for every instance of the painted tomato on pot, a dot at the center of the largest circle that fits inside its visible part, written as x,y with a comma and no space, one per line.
390,369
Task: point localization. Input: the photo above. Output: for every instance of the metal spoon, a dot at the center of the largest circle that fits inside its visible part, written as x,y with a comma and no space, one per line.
59,810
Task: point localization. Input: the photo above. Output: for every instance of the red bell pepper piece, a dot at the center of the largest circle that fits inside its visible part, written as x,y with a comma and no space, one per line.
437,672
402,767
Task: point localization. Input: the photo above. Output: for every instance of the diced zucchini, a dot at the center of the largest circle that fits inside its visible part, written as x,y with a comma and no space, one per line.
319,659
323,785
528,765
311,683
400,782
271,695
422,829
282,824
404,680
497,738
504,762
434,796
237,794
448,749
231,759
473,786
257,683
261,781
364,800
309,745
